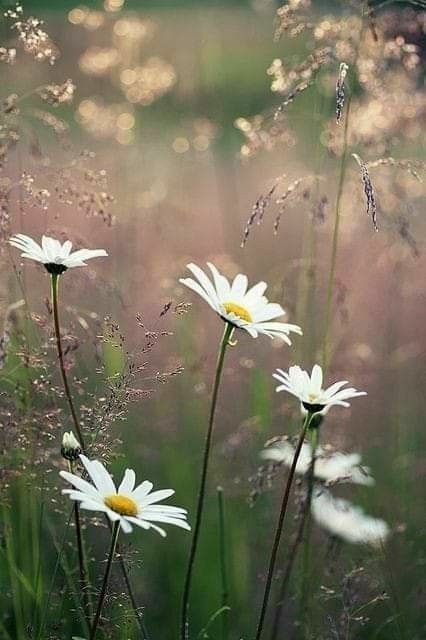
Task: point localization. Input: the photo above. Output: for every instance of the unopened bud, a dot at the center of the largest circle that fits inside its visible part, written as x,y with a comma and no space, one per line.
71,447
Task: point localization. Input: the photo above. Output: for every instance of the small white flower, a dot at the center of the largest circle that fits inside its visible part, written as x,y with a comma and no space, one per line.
308,388
344,520
55,256
127,504
71,448
244,308
329,467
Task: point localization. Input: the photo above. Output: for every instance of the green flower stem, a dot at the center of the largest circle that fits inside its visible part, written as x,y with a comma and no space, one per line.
184,628
222,559
278,531
84,582
114,537
304,519
306,571
55,305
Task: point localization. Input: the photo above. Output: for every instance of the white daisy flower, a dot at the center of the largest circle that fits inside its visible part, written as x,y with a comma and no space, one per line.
331,467
55,256
309,389
127,504
343,519
242,308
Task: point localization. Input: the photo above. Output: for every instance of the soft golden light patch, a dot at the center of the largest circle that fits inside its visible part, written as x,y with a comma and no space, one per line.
313,398
122,504
231,307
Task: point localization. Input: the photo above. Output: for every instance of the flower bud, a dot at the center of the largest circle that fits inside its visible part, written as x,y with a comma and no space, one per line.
71,448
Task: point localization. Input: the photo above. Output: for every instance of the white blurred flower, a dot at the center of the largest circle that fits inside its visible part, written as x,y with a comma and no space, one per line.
308,389
127,504
347,521
55,256
244,309
71,448
329,467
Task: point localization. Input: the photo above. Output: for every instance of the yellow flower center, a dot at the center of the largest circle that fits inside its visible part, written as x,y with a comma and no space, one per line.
243,314
122,504
313,398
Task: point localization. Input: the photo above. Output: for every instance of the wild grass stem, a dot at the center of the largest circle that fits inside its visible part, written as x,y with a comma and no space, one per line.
279,528
184,627
223,567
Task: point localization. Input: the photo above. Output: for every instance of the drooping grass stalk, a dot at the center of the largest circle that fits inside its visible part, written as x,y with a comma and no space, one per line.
223,569
114,538
55,306
338,205
184,627
304,519
279,528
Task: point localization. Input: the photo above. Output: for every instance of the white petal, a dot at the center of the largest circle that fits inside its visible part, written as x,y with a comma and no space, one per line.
191,284
142,490
239,286
125,525
99,475
155,496
316,377
128,483
148,525
79,483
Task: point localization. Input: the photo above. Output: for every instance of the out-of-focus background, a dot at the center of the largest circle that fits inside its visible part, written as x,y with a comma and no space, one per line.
174,102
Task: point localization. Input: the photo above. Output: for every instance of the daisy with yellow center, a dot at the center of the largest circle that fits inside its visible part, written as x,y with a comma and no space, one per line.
238,305
128,505
308,388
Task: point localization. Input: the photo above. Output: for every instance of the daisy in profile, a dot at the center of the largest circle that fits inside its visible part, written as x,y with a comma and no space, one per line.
55,256
238,305
344,520
128,505
308,389
330,466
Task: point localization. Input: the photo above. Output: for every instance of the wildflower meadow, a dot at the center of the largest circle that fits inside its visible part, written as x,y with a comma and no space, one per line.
212,336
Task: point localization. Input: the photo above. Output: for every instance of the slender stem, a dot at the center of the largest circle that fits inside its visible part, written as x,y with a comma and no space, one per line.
114,537
279,528
306,571
55,287
184,629
287,573
222,559
84,582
